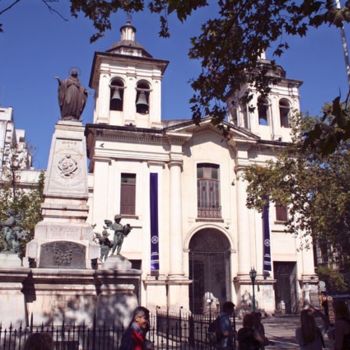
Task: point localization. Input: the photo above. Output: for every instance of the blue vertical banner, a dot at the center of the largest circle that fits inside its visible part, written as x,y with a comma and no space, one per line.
154,223
266,238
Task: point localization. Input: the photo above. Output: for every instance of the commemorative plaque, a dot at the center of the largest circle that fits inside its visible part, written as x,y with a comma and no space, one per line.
63,255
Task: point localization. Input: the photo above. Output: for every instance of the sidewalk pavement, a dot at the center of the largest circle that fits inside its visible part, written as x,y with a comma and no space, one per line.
281,331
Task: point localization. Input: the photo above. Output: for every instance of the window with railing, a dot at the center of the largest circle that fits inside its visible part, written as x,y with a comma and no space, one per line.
208,191
127,194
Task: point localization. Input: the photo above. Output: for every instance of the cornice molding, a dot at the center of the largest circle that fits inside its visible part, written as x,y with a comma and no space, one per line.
131,155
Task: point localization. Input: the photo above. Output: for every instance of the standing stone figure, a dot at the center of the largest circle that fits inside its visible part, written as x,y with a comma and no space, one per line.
105,244
120,232
71,97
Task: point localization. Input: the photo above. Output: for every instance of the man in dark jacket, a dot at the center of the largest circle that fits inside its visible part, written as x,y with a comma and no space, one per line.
226,332
134,338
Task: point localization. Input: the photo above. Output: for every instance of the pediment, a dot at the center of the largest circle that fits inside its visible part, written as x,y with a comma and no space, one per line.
190,128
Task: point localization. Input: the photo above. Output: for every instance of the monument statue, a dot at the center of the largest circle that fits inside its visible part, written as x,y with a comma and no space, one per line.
120,232
12,233
71,96
105,244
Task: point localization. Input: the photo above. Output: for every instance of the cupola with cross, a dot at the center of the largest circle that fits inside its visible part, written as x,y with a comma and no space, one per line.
127,83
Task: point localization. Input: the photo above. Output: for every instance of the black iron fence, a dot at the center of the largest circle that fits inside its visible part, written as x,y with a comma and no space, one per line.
65,337
168,331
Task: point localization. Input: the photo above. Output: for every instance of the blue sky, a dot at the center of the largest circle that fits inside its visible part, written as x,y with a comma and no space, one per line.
37,45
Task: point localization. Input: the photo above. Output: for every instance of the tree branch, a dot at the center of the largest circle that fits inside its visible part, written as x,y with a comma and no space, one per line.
9,7
51,9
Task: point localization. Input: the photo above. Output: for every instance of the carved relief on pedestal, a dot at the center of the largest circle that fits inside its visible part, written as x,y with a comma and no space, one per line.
67,166
62,254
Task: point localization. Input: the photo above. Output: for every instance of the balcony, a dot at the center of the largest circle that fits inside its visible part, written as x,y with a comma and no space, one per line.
209,213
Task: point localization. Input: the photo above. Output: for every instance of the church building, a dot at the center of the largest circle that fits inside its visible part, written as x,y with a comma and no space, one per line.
179,186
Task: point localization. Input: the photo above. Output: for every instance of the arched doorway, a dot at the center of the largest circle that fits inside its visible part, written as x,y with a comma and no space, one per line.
209,264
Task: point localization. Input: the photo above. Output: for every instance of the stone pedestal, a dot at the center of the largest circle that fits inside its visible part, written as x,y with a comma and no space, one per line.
60,284
63,239
70,295
12,302
309,289
8,260
116,262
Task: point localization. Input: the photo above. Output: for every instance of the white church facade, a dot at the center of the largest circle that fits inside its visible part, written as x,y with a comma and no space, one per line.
179,186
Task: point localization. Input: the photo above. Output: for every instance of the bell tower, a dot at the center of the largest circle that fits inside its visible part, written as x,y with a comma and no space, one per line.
127,83
268,117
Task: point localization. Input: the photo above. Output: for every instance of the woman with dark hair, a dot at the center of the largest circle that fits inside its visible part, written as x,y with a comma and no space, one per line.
39,341
259,328
309,336
342,326
134,338
248,337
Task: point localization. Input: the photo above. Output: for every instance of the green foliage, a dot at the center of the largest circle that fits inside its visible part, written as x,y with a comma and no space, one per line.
332,130
335,280
230,43
25,203
316,188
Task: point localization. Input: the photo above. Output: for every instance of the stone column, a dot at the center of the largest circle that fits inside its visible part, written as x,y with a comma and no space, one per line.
275,125
175,251
244,251
12,299
308,261
130,98
104,95
309,278
100,203
155,102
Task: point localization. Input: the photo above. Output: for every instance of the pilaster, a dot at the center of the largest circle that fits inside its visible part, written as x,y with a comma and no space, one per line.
244,244
175,225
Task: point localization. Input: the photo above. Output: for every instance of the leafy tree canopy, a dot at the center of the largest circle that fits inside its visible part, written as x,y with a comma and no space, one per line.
331,130
230,43
315,187
26,203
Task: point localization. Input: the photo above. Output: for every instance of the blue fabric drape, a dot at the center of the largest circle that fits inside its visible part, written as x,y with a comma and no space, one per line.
154,222
266,237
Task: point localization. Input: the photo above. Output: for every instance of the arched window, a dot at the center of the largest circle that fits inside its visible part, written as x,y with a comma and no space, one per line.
142,97
117,95
208,190
263,108
284,112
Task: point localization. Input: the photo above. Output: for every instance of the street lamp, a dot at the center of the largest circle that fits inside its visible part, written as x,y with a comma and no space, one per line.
252,275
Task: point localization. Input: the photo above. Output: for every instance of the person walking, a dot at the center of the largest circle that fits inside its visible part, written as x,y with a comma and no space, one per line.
134,338
248,337
259,328
342,326
309,336
225,328
39,341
